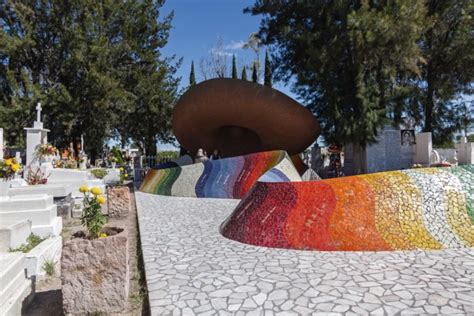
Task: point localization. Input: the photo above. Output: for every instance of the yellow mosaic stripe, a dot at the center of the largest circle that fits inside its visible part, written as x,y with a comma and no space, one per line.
386,210
150,182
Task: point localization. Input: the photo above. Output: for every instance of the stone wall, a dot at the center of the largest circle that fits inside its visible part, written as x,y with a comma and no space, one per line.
95,275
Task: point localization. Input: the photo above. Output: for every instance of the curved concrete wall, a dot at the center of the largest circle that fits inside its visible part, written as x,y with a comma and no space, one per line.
223,178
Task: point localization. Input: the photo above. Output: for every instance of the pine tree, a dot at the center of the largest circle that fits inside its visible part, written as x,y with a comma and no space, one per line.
95,66
243,76
347,58
192,77
234,68
254,73
448,71
268,71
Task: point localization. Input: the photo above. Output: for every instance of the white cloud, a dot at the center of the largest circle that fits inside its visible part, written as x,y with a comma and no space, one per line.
234,45
220,52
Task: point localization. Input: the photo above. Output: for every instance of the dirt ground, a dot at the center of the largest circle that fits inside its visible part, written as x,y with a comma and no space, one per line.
48,298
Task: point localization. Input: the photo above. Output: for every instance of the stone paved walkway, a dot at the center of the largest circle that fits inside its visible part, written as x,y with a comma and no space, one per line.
191,269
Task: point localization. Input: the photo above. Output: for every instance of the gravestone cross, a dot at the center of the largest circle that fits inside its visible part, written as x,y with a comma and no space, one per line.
38,112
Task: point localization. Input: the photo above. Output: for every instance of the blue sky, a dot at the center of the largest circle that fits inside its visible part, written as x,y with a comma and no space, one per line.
199,24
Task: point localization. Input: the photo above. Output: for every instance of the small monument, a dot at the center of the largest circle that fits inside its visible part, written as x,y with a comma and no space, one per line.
35,136
424,148
465,152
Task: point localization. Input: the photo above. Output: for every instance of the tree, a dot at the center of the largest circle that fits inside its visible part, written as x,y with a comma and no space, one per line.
92,65
192,77
243,76
234,68
214,65
253,43
448,72
268,71
254,73
346,58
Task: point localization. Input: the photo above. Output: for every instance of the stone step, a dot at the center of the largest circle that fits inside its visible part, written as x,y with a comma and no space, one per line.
9,288
54,228
15,301
36,216
13,233
26,202
11,264
49,249
65,175
56,190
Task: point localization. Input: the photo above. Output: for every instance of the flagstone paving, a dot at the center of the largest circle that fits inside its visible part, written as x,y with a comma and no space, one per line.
191,269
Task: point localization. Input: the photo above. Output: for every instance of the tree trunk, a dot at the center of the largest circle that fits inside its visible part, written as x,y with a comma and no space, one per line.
429,103
150,146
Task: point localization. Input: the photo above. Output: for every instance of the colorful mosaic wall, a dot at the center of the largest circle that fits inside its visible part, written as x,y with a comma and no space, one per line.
224,178
429,208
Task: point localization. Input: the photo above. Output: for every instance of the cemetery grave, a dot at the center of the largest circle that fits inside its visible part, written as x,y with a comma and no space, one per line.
245,233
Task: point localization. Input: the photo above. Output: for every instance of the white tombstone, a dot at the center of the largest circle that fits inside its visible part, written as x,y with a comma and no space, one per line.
35,136
423,149
465,152
1,143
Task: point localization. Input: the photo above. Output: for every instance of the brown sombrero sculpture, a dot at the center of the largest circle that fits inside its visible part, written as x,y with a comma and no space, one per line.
238,117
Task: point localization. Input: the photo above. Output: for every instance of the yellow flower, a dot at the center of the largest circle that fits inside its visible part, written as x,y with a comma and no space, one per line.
100,199
96,191
15,167
102,235
126,175
121,169
9,162
84,189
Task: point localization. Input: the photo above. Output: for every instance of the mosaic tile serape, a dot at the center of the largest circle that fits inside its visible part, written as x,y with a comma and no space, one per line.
223,178
429,208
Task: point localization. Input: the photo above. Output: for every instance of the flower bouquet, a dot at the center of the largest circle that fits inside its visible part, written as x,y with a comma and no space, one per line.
46,152
8,169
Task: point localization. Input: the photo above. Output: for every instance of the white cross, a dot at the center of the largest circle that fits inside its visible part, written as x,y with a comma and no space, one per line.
38,112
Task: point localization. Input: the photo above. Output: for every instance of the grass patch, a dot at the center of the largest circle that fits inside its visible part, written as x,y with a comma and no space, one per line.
49,267
31,242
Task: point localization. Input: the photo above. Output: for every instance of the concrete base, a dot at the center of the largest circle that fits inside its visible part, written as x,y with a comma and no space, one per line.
52,229
15,286
48,250
55,190
13,233
39,209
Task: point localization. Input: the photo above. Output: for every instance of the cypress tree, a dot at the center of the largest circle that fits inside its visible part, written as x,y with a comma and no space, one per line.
234,68
254,73
244,74
268,71
192,77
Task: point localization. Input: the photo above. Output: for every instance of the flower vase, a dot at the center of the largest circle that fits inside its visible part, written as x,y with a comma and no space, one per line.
4,187
114,164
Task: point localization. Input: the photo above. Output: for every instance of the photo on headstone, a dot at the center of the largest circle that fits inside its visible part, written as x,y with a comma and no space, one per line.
408,137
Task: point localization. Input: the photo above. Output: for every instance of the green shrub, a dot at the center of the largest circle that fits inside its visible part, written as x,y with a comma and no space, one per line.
167,154
99,173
